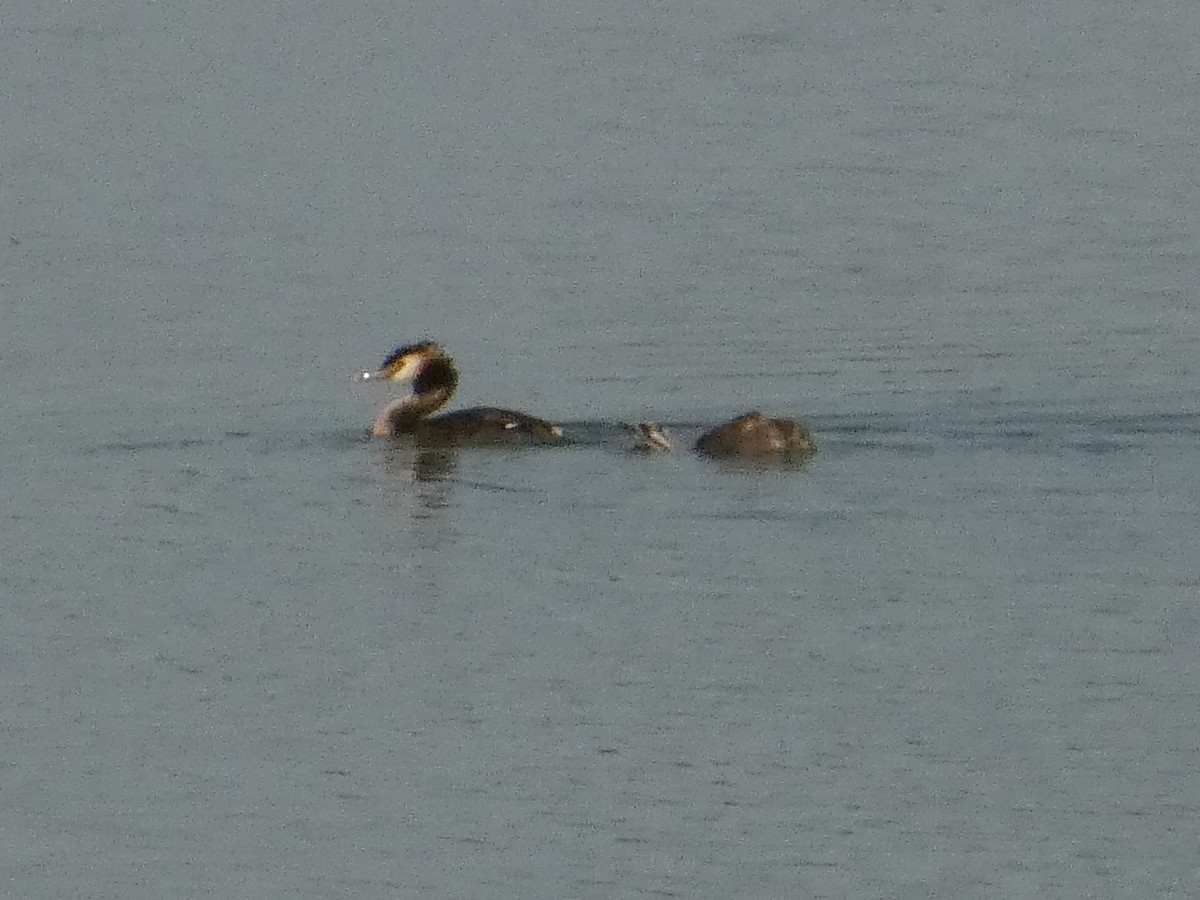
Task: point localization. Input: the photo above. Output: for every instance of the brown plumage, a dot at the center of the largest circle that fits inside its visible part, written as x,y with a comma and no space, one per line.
434,379
753,436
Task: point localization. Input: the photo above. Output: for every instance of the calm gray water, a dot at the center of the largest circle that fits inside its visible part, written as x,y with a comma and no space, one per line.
247,651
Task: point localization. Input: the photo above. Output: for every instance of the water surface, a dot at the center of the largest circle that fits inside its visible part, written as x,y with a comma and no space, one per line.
247,650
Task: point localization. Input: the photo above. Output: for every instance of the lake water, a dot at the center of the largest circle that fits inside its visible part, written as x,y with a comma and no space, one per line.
247,651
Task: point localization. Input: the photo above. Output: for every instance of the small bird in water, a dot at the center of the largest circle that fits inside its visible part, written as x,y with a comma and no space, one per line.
754,436
649,437
434,379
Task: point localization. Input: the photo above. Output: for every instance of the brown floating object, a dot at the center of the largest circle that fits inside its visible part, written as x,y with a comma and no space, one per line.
754,436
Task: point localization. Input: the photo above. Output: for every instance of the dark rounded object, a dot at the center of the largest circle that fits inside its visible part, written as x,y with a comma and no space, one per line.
754,436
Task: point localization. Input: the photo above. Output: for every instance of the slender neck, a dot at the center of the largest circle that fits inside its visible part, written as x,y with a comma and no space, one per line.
403,414
432,388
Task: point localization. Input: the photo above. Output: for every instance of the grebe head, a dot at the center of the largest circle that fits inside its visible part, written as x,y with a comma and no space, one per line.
434,379
406,363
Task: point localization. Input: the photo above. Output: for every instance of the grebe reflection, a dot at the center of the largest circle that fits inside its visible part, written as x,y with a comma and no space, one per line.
754,436
434,378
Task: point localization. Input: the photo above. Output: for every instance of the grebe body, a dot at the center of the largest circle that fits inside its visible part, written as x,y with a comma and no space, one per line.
434,379
484,425
754,436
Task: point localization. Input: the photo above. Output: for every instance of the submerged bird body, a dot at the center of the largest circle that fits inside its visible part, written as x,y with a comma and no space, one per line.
434,379
754,436
650,437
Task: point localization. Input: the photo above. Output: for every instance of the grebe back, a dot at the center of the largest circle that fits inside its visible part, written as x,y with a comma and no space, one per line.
754,436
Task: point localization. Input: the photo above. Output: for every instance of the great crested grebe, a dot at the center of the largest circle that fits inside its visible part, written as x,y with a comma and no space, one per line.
753,436
434,378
